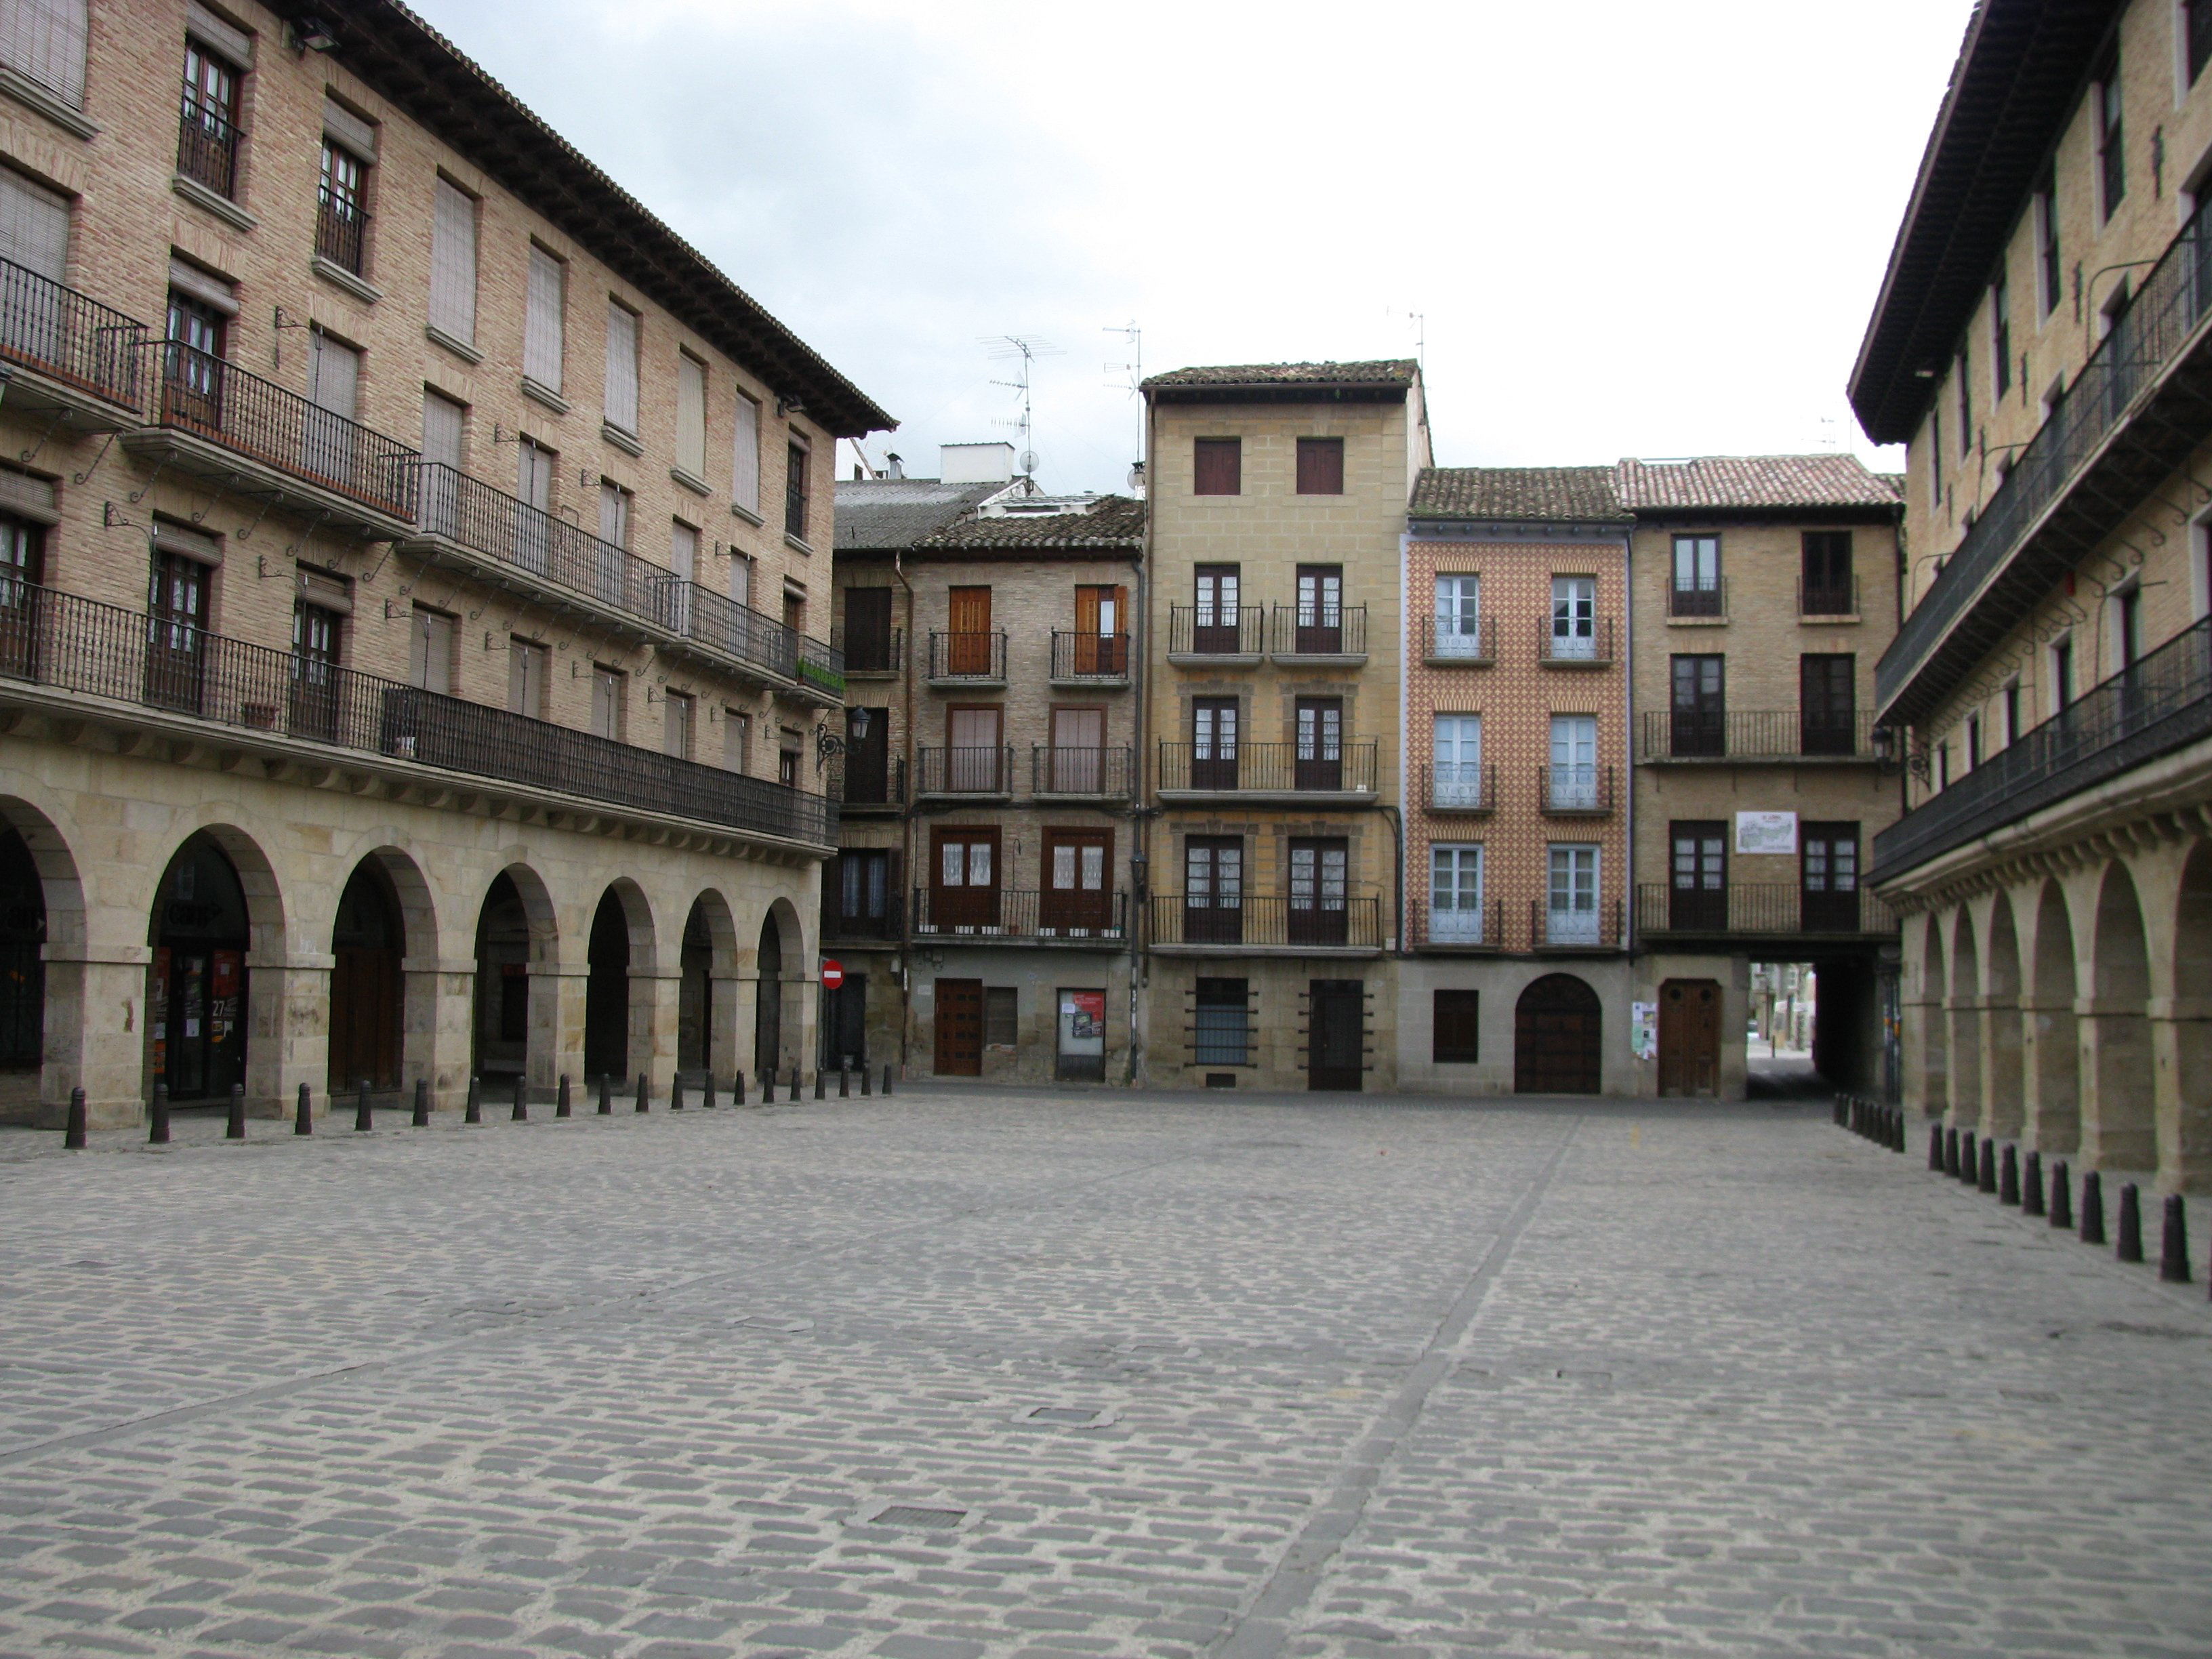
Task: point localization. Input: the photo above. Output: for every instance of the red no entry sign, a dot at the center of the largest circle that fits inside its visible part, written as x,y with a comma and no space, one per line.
832,975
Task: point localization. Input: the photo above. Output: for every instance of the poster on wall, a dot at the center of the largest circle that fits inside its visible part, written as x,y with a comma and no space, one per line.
1643,1028
1767,832
1083,1023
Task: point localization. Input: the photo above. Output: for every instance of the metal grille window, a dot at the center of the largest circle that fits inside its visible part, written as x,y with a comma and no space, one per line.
1224,1024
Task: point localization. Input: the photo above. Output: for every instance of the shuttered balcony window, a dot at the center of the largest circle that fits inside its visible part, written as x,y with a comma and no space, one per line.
453,264
744,457
621,367
691,414
541,333
43,41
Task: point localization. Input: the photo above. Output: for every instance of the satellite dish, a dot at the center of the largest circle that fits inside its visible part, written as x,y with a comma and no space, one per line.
1028,460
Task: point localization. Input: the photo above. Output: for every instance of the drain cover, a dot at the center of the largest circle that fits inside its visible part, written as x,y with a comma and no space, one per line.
922,1520
1073,1417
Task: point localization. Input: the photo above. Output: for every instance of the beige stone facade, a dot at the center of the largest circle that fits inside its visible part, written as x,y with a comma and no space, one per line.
447,594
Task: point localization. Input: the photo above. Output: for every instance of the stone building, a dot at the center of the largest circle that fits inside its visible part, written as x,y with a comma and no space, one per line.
412,623
1272,870
2041,343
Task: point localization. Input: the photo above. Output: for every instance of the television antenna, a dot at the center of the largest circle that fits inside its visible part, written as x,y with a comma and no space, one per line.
1025,349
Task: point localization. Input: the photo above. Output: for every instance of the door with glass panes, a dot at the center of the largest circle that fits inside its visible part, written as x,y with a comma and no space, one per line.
1213,890
1574,617
1319,903
1458,786
1828,877
963,880
1698,900
1572,783
1459,616
1076,899
1320,743
1570,914
1456,893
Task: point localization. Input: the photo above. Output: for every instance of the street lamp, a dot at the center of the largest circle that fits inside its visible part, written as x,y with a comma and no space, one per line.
826,744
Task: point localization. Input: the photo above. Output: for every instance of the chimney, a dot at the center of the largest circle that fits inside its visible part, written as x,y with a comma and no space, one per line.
983,463
893,467
1137,480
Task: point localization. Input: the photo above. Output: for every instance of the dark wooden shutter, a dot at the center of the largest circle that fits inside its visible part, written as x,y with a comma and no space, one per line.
1217,467
1320,467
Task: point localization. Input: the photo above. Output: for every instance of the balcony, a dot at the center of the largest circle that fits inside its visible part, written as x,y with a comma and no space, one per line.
977,916
1701,599
1575,791
1079,774
2133,414
253,437
1474,927
342,233
871,654
1593,927
2148,710
885,928
1101,660
1589,645
1203,636
1264,772
1769,909
820,671
1458,786
1781,736
80,646
706,624
1459,641
968,662
865,790
68,357
1828,602
1320,637
206,144
970,773
1246,924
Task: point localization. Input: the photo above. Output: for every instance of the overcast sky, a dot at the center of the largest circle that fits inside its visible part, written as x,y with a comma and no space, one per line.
1628,229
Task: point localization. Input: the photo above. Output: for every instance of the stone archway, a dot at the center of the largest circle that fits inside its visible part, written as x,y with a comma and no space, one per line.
2185,1145
516,1012
201,933
706,1011
2119,1123
2001,1032
1935,1023
1965,1006
1557,1032
43,990
2055,1123
768,1002
368,982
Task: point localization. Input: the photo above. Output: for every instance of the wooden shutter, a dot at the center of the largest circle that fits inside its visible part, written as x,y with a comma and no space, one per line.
337,377
453,264
34,226
744,468
621,367
1320,467
541,332
684,551
43,41
971,610
614,514
432,653
441,430
691,414
1217,466
1087,610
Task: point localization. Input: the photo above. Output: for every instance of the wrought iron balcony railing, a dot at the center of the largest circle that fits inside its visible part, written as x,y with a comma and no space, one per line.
1101,657
207,144
69,336
966,771
342,232
1268,921
79,645
1594,927
821,666
1269,767
1774,734
2159,702
857,783
1570,645
886,926
1108,774
870,650
979,656
1320,631
1838,598
1697,597
1458,786
1569,790
1460,927
1457,640
981,915
1216,631
1779,908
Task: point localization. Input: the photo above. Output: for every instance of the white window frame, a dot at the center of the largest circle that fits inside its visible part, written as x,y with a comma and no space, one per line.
1573,932
1459,922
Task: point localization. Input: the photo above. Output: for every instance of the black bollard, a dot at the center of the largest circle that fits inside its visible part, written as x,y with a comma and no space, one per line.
2008,1176
362,1118
797,1078
1988,1184
737,1090
1951,1153
644,1093
73,1130
2031,1186
420,1119
887,1077
2093,1208
707,1093
675,1093
821,1083
1970,1161
157,1116
561,1107
606,1095
2062,1197
521,1100
2130,1239
864,1078
303,1122
2173,1249
475,1112
235,1129
845,1081
1936,1147
1897,1130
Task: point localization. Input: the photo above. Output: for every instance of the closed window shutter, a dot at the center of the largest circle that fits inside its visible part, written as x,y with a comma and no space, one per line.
744,470
614,514
541,338
43,41
621,367
684,551
441,430
1217,466
741,580
453,264
34,225
691,415
337,377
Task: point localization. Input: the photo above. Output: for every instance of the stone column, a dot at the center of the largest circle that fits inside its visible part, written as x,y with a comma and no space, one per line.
95,1034
2181,1058
731,1050
440,1029
557,1022
2002,1113
2116,1133
288,1030
655,996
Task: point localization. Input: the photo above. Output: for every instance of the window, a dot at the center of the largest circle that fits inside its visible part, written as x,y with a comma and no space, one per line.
2112,146
2049,270
207,134
1320,725
1222,1033
528,668
786,759
2127,625
620,404
453,263
868,628
864,882
691,415
744,457
1320,467
963,878
1963,374
1973,741
1001,1016
1571,896
1574,617
1828,877
1459,616
541,342
1697,900
444,423
676,726
430,651
1456,893
684,551
608,687
1217,466
1827,703
177,639
1216,622
1213,889
1573,784
1101,649
1320,610
975,759
615,504
794,491
737,741
1078,752
1458,762
342,209
2000,336
2012,727
34,233
1934,459
43,41
22,566
1696,591
1455,1025
2197,31
1319,867
1943,764
741,579
1213,743
328,441
2061,675
1825,586
1699,718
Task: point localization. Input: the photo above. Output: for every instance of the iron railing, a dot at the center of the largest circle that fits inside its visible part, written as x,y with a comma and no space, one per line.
856,785
342,231
80,645
1229,631
1458,786
1320,631
1594,929
207,144
1701,596
979,914
887,928
821,666
1477,926
1754,734
1776,907
1451,640
1272,767
1268,920
69,336
1566,790
720,624
966,771
1574,648
1102,657
2146,336
1108,774
1828,598
967,656
220,402
870,650
2158,703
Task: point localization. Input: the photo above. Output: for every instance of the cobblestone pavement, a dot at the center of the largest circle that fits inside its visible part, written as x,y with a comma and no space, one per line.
1214,1375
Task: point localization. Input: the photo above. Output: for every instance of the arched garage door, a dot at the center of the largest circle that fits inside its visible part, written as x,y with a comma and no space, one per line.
1557,1030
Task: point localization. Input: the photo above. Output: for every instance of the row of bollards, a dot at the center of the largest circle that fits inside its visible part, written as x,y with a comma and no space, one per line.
1979,1161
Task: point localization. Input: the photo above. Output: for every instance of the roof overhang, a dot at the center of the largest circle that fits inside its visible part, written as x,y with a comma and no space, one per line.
1306,392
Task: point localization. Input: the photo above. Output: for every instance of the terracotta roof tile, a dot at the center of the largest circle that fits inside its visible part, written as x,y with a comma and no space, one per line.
1114,524
1722,480
882,514
1576,495
1398,371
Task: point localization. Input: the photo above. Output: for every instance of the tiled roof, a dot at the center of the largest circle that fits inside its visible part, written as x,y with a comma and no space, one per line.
1114,524
1722,480
876,515
1575,495
1399,371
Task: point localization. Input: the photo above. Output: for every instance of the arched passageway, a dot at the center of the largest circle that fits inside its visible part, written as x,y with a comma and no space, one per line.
22,964
696,1035
2057,1122
606,991
368,986
1966,1023
2002,1013
1558,1038
2190,1039
200,933
2124,1124
514,929
768,1002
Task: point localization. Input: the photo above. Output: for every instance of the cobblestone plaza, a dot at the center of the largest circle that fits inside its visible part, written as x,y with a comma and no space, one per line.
947,1375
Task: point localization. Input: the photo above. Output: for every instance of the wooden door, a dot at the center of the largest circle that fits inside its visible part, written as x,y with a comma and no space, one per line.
22,568
1700,707
959,1028
1213,890
1078,752
1827,694
1213,743
1698,900
970,646
1102,645
1828,877
177,637
1217,621
1078,895
1318,870
1320,609
1335,1039
1557,1032
963,878
867,629
1320,743
1690,1037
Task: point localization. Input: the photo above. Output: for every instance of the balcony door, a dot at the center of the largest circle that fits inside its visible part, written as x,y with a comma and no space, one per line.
1459,616
1320,743
22,567
868,760
1699,716
176,641
1571,902
975,763
968,651
1213,890
1102,645
1458,762
1320,609
1456,893
1213,743
1215,622
1828,877
1319,909
1077,898
1826,698
1573,785
1078,752
1574,617
866,889
1824,586
533,487
314,710
1698,900
34,227
867,629
192,382
963,873
329,447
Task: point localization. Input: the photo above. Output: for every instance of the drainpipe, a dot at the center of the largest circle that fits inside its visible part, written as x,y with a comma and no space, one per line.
1140,821
906,834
